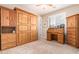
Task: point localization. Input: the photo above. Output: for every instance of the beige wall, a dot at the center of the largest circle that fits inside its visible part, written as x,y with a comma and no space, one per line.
71,10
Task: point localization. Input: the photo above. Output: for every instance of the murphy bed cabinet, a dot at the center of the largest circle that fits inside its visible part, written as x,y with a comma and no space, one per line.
73,30
7,26
17,27
26,27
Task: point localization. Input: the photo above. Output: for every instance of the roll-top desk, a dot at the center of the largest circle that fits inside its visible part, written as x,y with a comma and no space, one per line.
56,34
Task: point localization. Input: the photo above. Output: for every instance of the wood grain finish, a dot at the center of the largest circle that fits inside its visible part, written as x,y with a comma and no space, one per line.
73,30
8,45
26,27
8,20
12,18
56,33
4,17
8,41
5,38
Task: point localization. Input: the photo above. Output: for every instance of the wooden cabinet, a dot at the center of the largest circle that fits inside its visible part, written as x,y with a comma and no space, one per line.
22,38
26,27
49,38
4,17
8,17
8,41
33,25
56,34
8,25
61,38
21,27
71,22
73,30
12,18
5,38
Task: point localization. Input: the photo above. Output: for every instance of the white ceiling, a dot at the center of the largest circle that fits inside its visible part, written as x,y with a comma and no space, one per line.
36,9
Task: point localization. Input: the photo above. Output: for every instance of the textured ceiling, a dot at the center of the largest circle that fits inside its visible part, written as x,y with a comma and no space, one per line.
37,9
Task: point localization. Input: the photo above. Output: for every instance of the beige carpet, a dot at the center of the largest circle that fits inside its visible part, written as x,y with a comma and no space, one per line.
42,47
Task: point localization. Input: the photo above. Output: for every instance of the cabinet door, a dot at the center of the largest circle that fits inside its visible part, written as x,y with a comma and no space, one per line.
12,18
22,19
8,45
22,28
71,22
22,37
33,32
22,34
33,35
33,28
4,17
33,20
7,38
49,36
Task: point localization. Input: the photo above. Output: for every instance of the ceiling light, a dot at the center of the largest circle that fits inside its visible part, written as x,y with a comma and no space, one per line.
45,6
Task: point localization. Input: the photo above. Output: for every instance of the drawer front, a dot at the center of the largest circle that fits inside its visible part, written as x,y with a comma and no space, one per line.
61,38
71,30
49,36
71,42
71,36
60,31
8,45
71,39
5,38
71,33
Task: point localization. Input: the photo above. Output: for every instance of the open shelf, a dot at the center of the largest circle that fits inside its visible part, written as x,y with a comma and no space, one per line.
6,29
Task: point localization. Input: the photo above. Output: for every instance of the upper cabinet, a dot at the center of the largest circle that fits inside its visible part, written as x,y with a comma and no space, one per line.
33,20
7,17
4,17
71,22
12,18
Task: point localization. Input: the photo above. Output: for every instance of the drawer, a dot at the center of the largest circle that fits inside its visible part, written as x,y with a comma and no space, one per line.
72,39
72,42
61,39
60,31
72,29
8,45
71,36
5,38
71,33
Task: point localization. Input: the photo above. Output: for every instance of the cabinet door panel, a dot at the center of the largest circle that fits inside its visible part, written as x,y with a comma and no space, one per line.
71,22
5,17
22,19
8,45
33,20
6,38
33,35
12,18
22,37
22,28
33,28
28,36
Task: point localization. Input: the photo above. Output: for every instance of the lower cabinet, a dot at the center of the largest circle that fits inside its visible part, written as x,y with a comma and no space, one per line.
8,45
33,36
61,38
22,38
8,41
